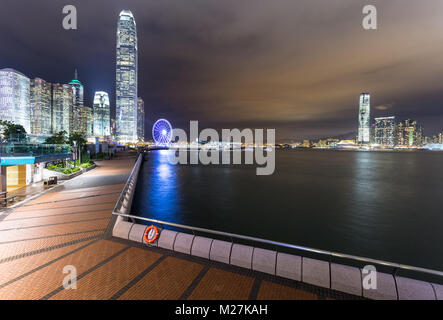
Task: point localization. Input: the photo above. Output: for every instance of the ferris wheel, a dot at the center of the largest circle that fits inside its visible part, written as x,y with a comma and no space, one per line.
162,132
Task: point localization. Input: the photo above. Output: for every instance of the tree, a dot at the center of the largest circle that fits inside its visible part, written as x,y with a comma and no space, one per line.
58,138
77,137
12,131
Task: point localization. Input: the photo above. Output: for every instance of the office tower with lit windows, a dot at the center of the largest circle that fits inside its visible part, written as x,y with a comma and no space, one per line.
384,131
41,107
409,134
141,120
77,90
126,78
62,106
85,124
364,118
15,98
101,114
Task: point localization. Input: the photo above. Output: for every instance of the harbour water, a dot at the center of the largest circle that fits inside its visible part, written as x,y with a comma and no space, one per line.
382,205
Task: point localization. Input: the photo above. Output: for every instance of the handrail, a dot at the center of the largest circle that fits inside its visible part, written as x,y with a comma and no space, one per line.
125,188
269,242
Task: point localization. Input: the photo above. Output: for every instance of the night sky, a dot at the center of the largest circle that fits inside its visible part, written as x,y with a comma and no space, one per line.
294,65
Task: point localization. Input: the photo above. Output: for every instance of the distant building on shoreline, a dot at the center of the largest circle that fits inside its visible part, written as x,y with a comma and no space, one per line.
41,107
364,119
141,120
384,131
15,98
101,114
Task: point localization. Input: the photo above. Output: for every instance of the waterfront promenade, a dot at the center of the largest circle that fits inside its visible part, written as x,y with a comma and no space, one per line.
71,225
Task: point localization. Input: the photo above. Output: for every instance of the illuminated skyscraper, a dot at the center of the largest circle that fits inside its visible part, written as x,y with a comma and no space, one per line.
364,118
126,78
85,122
62,106
141,120
15,98
409,134
385,131
101,113
77,89
41,109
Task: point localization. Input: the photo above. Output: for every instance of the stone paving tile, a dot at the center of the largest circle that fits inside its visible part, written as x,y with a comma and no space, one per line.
29,223
22,234
46,280
16,268
222,285
108,279
77,194
273,291
17,248
168,280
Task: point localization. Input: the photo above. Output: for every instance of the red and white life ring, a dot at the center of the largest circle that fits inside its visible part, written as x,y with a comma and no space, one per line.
151,234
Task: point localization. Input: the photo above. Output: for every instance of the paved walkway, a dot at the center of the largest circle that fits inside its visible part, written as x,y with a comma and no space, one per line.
70,225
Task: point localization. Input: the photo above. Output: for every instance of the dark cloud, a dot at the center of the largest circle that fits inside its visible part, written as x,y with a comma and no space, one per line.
298,66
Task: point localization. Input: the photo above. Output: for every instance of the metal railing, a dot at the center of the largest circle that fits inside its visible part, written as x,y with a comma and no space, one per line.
232,236
12,149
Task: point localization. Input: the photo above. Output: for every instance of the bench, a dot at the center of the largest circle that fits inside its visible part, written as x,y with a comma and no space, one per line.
50,181
7,199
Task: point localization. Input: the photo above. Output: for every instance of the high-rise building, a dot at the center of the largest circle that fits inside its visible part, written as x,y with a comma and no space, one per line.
141,120
126,78
85,122
364,118
62,106
41,108
384,132
409,134
15,98
102,114
77,89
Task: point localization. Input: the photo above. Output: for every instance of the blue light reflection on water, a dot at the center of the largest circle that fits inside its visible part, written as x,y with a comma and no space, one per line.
164,195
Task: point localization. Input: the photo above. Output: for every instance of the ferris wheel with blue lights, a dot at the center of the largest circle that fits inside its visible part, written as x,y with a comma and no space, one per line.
162,132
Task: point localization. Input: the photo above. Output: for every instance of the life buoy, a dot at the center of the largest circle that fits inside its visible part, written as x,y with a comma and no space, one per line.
151,234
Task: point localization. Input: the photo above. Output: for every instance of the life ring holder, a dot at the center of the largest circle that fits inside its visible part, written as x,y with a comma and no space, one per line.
151,234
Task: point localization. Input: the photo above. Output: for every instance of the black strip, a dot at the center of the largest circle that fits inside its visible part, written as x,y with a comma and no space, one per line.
194,283
53,236
45,265
34,252
84,274
74,206
72,199
137,278
53,224
254,290
56,215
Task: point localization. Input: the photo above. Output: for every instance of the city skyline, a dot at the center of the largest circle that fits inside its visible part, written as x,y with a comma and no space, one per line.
402,81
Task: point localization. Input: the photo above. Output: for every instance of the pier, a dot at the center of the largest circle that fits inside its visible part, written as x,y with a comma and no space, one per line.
72,225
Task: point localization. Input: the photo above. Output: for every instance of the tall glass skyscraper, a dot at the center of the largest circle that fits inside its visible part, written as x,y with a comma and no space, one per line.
126,78
102,114
85,124
62,105
77,89
15,98
141,120
41,110
364,119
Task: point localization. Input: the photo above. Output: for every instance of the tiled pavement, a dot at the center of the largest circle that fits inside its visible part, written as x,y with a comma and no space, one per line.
69,226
